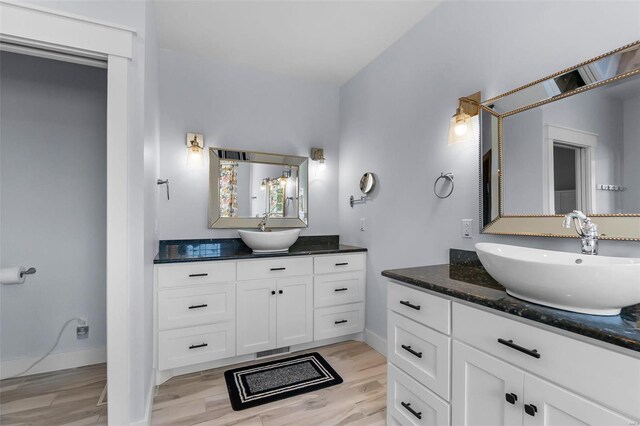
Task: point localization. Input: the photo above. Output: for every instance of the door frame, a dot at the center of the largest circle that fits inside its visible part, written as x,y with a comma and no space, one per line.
586,142
50,30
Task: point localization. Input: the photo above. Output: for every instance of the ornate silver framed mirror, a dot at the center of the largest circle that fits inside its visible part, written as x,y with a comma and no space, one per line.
570,141
246,186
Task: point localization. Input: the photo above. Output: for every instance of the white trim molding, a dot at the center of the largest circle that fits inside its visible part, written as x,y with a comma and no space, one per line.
54,362
151,391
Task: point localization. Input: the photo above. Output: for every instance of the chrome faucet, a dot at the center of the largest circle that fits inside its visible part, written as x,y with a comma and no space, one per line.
263,223
586,229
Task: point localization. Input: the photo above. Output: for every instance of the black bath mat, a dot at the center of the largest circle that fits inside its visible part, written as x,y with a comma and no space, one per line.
275,380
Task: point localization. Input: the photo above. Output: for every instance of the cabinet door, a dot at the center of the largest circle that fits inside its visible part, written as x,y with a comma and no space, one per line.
295,311
256,320
550,405
480,384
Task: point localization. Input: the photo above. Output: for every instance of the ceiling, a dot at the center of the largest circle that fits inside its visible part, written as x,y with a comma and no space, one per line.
328,41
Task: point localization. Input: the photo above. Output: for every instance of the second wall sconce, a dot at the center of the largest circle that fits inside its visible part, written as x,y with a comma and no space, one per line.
460,128
317,154
195,146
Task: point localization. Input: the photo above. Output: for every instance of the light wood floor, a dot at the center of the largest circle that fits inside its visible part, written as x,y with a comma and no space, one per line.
69,397
66,397
202,399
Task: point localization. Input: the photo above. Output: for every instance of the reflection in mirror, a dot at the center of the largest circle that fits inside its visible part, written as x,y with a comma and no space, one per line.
578,153
247,186
609,66
367,182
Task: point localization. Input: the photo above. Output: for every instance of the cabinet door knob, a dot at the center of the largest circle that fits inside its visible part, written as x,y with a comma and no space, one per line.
273,292
530,409
511,398
280,292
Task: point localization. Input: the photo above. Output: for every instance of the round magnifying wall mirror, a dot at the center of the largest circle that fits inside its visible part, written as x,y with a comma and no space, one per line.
367,183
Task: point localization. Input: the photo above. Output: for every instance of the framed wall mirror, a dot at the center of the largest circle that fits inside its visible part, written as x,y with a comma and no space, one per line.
245,186
570,141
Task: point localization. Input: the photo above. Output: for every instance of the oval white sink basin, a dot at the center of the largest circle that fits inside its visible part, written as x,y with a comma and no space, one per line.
269,241
596,285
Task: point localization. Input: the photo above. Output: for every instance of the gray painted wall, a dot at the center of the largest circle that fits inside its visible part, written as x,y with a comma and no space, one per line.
53,203
395,113
631,141
237,107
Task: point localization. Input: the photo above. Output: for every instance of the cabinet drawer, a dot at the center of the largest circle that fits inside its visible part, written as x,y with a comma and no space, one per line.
196,273
274,268
193,345
338,321
409,403
338,263
188,306
586,369
338,289
429,310
421,352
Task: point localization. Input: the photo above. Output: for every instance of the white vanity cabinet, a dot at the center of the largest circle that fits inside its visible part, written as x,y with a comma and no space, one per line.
215,313
503,371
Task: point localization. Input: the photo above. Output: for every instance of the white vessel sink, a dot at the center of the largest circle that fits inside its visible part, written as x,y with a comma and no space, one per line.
596,285
269,241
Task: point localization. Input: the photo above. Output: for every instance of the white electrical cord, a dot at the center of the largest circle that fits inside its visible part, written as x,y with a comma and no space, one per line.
50,350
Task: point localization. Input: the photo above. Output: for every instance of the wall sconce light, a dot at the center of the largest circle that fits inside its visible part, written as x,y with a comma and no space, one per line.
195,146
263,184
461,126
317,154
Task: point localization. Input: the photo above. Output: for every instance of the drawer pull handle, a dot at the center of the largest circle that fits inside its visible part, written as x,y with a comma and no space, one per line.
341,289
201,345
342,264
204,305
340,322
411,410
531,352
278,269
411,351
416,307
511,398
530,409
198,275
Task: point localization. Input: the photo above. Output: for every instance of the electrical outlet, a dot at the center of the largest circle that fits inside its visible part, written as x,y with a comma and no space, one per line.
362,224
82,329
467,228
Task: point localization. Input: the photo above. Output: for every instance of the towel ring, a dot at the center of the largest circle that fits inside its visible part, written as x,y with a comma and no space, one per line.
448,177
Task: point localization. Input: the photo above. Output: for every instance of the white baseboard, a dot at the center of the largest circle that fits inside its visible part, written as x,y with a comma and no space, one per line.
54,362
379,344
151,390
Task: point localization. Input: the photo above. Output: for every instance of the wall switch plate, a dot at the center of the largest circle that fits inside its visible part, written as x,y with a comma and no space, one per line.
467,228
362,224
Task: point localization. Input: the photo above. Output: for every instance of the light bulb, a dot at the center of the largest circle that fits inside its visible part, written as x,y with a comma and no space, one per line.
321,165
195,158
460,129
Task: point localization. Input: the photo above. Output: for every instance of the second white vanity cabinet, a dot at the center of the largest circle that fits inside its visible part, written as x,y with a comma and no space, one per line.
488,369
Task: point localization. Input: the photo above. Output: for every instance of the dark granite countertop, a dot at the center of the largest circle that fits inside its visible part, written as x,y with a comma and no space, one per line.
177,251
469,282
